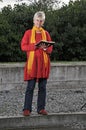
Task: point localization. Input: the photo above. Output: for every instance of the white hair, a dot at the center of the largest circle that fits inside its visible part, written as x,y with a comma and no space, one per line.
39,14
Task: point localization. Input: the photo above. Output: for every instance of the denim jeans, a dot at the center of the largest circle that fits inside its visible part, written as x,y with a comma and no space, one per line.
41,100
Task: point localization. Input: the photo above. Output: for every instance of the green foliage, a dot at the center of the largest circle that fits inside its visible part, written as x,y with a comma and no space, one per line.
69,31
67,27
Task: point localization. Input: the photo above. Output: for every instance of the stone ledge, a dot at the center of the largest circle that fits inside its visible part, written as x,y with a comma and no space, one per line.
64,63
61,74
54,121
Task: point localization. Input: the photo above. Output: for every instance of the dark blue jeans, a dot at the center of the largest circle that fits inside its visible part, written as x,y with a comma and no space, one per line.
41,100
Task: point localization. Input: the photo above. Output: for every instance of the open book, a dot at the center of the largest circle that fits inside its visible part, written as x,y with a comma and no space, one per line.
47,43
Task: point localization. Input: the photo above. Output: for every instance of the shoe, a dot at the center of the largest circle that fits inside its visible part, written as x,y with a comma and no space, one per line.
43,112
26,112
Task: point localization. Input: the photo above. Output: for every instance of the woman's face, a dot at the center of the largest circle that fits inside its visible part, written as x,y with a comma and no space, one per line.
38,22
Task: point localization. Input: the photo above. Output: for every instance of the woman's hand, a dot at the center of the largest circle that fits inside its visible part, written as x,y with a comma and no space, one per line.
43,46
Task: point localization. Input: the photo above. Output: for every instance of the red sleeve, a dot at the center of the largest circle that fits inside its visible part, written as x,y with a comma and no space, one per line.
49,50
25,42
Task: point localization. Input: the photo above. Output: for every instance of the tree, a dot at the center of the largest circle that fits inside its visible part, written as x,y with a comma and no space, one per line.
67,27
72,23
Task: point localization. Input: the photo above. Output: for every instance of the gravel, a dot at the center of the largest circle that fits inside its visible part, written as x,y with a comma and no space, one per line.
57,101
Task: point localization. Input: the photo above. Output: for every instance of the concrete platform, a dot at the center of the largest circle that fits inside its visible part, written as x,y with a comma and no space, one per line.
54,121
62,75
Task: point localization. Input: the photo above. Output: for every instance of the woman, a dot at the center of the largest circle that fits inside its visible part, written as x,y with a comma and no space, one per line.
37,67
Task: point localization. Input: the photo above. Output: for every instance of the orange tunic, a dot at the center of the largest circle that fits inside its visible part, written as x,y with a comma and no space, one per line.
38,67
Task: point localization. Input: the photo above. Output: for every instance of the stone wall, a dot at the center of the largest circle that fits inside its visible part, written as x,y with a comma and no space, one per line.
62,75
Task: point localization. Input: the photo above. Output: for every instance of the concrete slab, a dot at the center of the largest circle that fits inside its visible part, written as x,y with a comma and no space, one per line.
54,121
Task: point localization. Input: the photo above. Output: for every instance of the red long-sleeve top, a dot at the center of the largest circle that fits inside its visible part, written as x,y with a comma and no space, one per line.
38,68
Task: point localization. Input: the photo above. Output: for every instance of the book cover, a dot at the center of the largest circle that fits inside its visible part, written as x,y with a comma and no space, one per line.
47,43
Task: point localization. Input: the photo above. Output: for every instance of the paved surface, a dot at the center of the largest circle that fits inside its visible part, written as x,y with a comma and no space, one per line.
62,121
58,101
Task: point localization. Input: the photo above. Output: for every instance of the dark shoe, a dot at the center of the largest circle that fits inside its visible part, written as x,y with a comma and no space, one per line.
26,112
43,112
